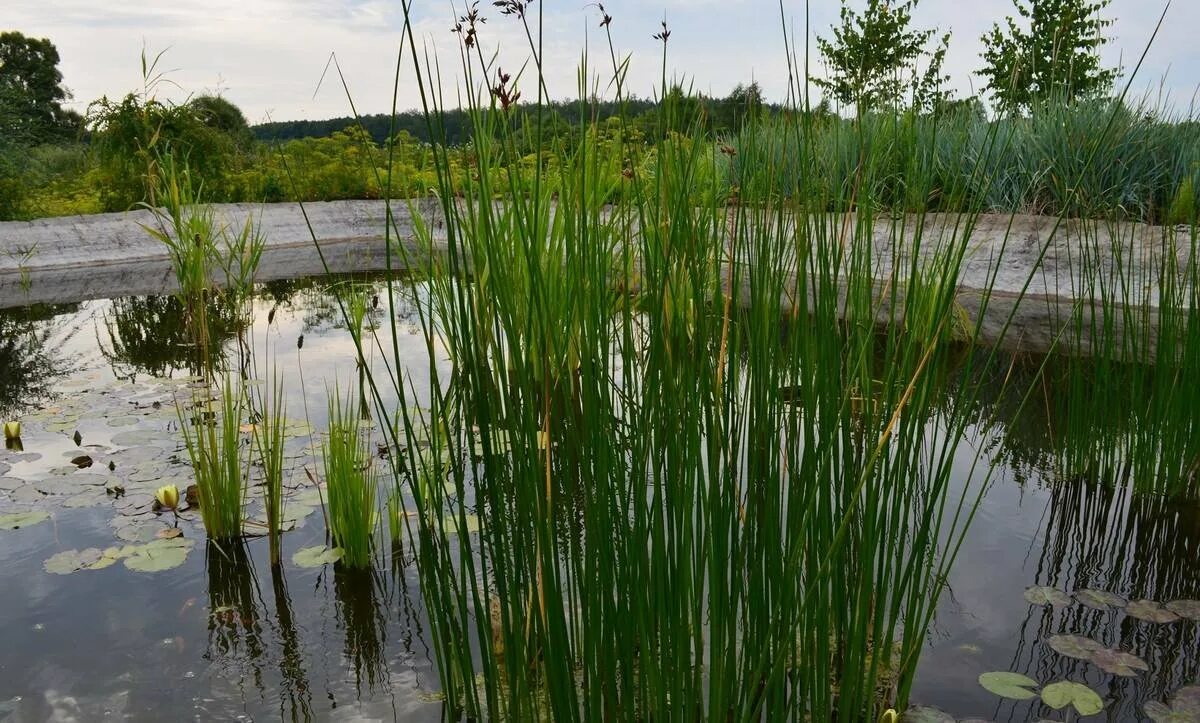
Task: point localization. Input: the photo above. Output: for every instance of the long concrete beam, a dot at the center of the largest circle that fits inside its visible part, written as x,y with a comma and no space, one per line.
1045,266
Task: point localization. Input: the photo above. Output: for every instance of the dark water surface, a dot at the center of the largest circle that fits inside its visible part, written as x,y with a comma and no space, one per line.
224,637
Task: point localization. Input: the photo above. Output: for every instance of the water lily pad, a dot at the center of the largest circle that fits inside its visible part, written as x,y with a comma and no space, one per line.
1074,646
1150,611
139,531
82,461
69,561
1009,685
316,556
27,494
1063,693
8,484
1185,608
1038,595
159,555
1118,662
17,520
1161,713
137,437
925,714
1100,599
1185,707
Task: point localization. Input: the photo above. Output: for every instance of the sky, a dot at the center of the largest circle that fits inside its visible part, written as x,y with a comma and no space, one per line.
269,56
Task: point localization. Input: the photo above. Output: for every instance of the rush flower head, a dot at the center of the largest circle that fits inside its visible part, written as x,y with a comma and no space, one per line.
664,34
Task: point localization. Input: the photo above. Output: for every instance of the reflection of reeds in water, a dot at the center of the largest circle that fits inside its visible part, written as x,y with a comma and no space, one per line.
1139,546
295,699
235,630
364,624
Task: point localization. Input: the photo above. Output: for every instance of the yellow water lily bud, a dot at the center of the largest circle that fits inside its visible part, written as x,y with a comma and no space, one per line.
889,716
12,430
167,496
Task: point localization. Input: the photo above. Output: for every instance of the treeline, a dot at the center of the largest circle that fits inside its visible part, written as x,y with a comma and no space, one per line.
558,118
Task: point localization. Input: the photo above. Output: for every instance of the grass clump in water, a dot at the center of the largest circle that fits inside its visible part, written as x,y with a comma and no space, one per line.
220,460
351,482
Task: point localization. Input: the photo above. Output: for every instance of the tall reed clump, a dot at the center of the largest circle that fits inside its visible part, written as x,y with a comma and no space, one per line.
212,434
199,247
351,484
1122,410
269,439
693,456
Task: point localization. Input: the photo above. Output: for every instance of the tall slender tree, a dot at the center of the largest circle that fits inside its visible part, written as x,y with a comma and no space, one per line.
875,59
1053,52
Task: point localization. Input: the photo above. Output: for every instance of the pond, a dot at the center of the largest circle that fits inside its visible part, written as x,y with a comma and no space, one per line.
108,611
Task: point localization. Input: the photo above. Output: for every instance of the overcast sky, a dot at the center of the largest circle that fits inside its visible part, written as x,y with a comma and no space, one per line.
267,56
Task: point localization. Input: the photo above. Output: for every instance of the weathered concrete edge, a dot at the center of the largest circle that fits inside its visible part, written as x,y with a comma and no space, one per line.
79,258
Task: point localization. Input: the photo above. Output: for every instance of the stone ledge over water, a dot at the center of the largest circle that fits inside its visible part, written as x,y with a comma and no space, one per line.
107,255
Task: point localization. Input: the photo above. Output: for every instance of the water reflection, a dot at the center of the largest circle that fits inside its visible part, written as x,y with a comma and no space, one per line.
1139,546
150,335
235,630
357,593
295,698
31,357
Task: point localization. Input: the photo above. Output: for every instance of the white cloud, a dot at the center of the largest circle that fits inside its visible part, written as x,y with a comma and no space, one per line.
267,55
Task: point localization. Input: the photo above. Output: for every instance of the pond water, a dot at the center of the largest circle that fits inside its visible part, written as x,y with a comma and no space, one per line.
89,634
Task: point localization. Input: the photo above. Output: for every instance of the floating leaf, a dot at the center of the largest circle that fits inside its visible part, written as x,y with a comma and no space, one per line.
1063,693
68,561
1009,685
78,438
1185,608
925,714
17,520
316,556
1160,713
1118,662
1074,646
1185,707
169,533
83,461
1150,611
159,555
1099,599
1038,595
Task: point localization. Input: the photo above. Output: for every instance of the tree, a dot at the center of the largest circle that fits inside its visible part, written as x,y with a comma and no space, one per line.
221,115
874,59
31,91
1057,57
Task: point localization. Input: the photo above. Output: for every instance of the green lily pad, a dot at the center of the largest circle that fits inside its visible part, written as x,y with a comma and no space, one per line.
1038,595
17,520
1099,599
8,484
1009,685
1189,609
137,438
69,561
316,556
159,555
925,714
1118,662
1161,713
1150,611
1074,646
1063,693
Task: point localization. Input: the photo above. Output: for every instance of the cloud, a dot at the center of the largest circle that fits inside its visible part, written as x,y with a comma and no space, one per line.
268,55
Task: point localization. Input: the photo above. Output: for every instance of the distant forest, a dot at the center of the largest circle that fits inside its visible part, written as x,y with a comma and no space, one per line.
713,114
